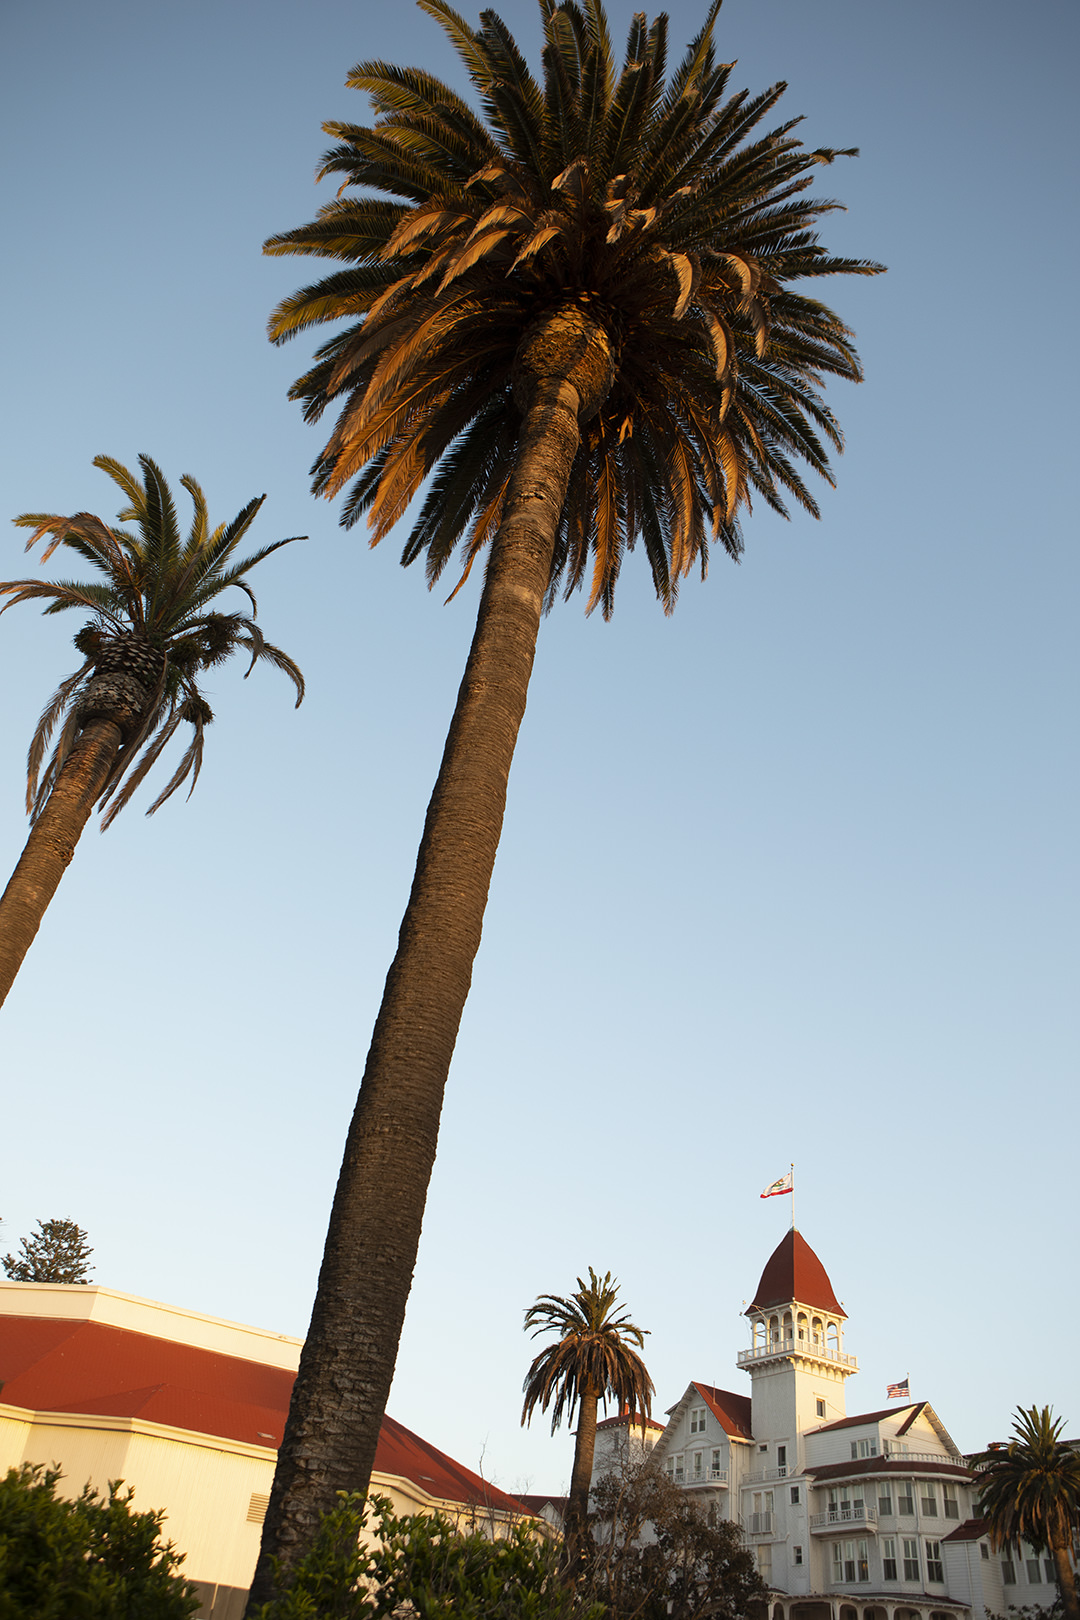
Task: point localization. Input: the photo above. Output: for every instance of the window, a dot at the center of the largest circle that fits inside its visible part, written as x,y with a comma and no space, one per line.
763,1448
984,1549
680,1473
1033,1574
820,1404
781,1460
864,1448
952,1506
794,1496
935,1569
928,1498
669,1468
911,1559
699,1464
1008,1572
764,1562
716,1467
697,1420
888,1558
905,1497
884,1499
1051,1572
796,1555
850,1561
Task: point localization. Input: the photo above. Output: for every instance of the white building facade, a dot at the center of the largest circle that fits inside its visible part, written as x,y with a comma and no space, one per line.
869,1517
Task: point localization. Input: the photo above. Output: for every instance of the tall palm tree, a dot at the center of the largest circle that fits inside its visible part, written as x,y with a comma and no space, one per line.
591,1361
574,314
1029,1490
150,634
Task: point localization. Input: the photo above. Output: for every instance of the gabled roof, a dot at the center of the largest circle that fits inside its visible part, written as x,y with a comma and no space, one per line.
875,1417
970,1530
794,1272
72,1366
731,1411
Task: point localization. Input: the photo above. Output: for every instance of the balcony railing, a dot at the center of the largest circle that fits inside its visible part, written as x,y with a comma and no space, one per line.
708,1476
759,1524
790,1345
855,1516
761,1474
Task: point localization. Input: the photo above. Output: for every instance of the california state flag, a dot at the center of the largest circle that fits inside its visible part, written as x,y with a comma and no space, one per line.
775,1188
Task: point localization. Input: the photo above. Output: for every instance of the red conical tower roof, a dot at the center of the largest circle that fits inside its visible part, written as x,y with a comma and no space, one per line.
794,1272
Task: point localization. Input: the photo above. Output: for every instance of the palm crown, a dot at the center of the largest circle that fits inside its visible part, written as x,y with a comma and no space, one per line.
152,629
592,1356
656,206
1030,1488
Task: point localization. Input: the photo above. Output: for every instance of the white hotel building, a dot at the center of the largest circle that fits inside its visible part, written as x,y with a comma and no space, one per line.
867,1517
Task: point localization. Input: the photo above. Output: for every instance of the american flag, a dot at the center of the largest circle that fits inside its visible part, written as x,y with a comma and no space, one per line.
899,1392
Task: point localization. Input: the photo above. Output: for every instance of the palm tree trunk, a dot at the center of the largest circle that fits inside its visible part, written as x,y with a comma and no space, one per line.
577,1506
1066,1579
51,843
348,1360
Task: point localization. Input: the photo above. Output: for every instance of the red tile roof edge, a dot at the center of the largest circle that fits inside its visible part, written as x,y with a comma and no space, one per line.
886,1465
970,1530
792,1273
732,1411
875,1417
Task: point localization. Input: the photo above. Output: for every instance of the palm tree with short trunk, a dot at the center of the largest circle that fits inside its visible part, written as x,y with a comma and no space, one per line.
1029,1490
576,321
151,632
593,1359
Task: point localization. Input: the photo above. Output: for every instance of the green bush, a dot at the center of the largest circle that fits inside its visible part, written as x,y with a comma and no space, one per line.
93,1558
424,1566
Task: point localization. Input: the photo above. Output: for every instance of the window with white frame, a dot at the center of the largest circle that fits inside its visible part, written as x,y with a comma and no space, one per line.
1034,1574
764,1561
698,1461
850,1562
985,1550
905,1497
884,1499
935,1569
781,1460
928,1498
716,1463
863,1448
950,1503
1051,1572
680,1468
796,1555
669,1467
820,1405
697,1420
1008,1572
911,1559
888,1558
794,1496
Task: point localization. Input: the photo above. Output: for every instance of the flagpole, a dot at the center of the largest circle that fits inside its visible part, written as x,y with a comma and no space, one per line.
792,1169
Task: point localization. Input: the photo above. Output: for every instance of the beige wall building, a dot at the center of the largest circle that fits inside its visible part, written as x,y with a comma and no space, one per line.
188,1410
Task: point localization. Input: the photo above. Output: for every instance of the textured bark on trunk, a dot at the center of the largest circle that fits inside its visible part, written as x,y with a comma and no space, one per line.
348,1359
51,843
577,1504
1066,1581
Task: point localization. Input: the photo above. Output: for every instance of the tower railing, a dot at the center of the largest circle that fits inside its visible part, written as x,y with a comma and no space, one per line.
790,1344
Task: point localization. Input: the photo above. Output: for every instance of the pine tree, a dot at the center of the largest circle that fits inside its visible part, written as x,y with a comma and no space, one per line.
57,1253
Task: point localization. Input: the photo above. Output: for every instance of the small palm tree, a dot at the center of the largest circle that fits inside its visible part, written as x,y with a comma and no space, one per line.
591,1361
1029,1490
150,634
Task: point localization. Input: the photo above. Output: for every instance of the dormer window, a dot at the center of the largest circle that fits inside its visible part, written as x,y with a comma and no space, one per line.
697,1420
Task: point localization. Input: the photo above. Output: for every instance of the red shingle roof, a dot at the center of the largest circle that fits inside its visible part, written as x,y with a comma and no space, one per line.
793,1271
970,1530
731,1411
876,1417
56,1365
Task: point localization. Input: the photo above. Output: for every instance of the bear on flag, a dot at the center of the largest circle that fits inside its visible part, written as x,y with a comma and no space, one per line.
775,1188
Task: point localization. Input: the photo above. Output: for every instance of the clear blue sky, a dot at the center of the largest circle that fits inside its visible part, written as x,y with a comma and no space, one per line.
791,875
